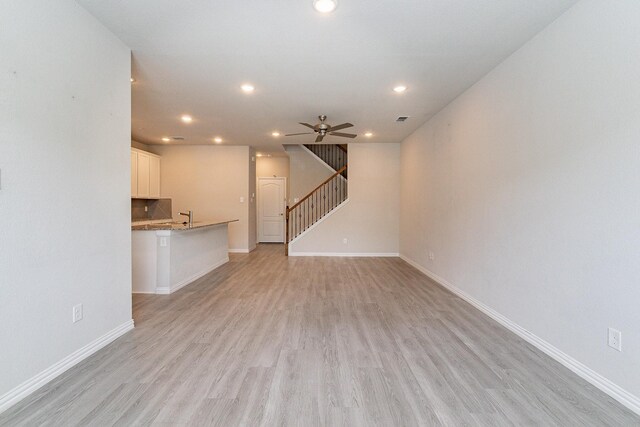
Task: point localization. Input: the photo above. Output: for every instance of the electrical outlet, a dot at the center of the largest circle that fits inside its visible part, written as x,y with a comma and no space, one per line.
345,241
615,339
431,256
241,199
146,208
77,313
163,242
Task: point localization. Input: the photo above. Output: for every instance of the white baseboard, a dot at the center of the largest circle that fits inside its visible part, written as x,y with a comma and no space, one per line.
621,395
239,251
166,291
26,388
346,254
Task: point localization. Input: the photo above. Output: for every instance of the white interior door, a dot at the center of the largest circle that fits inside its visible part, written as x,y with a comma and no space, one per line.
271,209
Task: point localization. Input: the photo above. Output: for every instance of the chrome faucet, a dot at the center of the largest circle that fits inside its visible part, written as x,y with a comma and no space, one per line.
190,215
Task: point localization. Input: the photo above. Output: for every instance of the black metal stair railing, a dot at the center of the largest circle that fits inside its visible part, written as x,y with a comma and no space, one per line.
317,204
334,155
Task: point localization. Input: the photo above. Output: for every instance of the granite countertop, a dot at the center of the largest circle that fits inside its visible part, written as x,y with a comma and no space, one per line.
179,226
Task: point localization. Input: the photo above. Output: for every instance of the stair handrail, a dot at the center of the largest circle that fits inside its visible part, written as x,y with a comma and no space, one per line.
290,209
332,155
342,169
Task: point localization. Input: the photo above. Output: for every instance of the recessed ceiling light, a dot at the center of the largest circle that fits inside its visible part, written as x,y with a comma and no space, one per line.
132,80
399,89
247,88
325,6
165,139
368,134
275,134
217,140
187,119
259,155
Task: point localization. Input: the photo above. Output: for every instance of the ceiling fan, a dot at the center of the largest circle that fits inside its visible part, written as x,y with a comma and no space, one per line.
323,129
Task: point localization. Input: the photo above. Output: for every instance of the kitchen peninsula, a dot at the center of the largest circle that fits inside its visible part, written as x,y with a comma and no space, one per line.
170,255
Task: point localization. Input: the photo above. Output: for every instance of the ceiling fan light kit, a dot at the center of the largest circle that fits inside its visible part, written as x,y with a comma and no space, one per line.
323,129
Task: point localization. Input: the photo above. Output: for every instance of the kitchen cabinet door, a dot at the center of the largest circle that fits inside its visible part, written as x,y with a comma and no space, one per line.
134,174
154,176
143,174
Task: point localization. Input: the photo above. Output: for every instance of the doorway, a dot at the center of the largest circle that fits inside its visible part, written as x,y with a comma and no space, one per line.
271,209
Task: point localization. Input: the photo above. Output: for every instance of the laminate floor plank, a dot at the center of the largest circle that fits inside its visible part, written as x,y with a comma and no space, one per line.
267,340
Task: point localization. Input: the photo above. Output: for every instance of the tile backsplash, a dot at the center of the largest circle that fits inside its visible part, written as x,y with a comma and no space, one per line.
155,209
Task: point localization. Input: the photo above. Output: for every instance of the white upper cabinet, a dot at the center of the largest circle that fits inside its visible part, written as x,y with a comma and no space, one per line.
154,176
134,174
145,174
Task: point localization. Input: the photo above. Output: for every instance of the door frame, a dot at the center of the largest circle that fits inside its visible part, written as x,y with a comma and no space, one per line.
258,213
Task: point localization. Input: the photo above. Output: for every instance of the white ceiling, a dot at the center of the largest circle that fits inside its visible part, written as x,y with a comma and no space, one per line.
190,57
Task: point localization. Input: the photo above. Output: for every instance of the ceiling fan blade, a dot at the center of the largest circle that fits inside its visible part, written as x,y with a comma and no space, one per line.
319,138
294,134
342,126
344,135
308,125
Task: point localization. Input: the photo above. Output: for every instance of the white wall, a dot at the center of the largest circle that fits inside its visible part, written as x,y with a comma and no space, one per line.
65,234
527,188
273,166
306,172
369,221
209,180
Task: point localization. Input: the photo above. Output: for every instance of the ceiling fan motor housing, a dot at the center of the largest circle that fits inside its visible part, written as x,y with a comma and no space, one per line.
322,126
323,129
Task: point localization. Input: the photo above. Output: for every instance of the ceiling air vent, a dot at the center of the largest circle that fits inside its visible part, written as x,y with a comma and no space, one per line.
178,138
402,119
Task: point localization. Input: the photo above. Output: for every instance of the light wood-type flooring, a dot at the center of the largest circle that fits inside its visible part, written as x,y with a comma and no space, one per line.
267,340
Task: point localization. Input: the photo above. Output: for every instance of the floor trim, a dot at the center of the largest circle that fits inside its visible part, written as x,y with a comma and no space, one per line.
618,393
26,388
347,254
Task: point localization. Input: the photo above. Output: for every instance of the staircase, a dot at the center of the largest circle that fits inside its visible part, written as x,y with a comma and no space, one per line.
324,198
334,155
